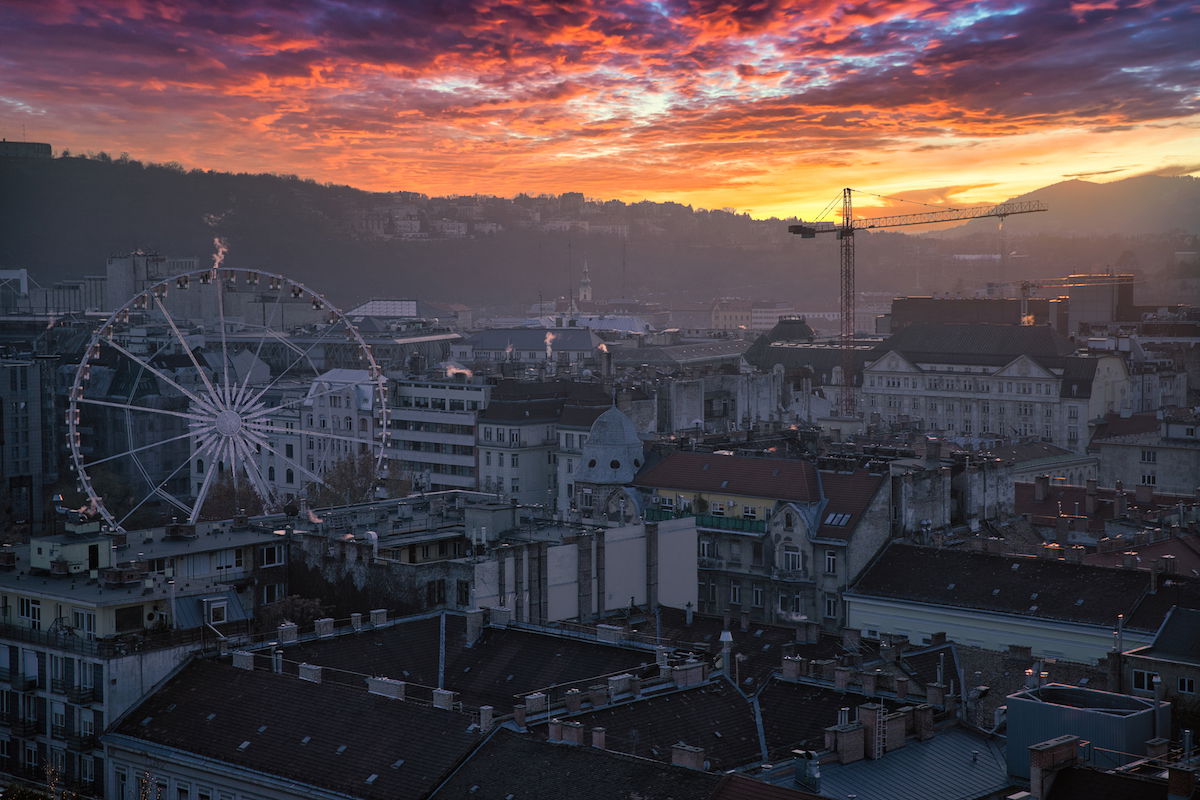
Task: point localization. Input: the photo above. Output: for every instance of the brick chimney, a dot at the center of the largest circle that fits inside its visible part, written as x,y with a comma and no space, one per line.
684,755
598,737
923,721
1091,498
572,732
1041,488
487,718
901,686
1181,782
871,715
1048,757
841,678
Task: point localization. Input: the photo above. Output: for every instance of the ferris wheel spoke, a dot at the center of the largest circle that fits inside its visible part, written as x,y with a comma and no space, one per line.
262,442
253,473
299,358
202,493
127,407
166,378
159,490
188,435
183,344
262,412
220,287
267,330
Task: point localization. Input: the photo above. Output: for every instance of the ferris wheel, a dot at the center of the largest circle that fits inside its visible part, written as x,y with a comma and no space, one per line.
224,391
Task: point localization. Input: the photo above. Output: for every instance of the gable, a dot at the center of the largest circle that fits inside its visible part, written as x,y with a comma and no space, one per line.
892,362
1024,367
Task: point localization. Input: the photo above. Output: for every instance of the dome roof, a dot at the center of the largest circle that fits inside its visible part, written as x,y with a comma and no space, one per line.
613,453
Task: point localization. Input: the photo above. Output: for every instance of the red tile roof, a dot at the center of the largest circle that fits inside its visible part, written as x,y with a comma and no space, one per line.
773,478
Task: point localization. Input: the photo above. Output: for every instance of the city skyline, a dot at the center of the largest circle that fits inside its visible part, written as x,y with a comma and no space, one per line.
767,108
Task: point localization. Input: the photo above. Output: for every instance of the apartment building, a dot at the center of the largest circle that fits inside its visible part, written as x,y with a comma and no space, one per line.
433,431
90,622
977,384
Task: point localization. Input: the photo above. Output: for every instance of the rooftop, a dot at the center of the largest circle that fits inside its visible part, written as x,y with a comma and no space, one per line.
324,735
770,478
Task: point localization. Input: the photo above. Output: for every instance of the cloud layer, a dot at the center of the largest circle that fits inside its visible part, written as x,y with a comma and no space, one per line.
766,105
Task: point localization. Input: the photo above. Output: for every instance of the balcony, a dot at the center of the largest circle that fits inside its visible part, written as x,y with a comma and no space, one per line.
25,727
80,695
23,683
790,575
709,521
81,740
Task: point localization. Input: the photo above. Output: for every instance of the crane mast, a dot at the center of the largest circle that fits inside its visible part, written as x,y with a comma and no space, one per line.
845,234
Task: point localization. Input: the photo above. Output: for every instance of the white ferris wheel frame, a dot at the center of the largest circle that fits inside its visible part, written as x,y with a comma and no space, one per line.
229,419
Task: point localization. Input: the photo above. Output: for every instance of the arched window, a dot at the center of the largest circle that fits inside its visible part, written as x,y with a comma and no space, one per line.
289,477
271,473
200,466
349,424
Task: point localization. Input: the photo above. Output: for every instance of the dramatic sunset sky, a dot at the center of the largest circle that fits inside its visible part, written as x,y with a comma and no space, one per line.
768,107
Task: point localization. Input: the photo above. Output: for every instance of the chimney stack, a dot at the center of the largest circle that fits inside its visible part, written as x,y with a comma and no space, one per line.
1041,488
684,755
486,718
598,738
1091,498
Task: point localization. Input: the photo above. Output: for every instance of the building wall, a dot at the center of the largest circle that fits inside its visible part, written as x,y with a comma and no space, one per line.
1172,466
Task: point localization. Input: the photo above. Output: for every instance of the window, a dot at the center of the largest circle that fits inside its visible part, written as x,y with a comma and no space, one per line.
735,593
830,563
1143,681
227,559
289,477
216,611
717,509
1149,456
837,519
791,559
271,555
1149,479
289,451
757,595
707,549
487,434
515,486
464,593
514,436
271,593
30,611
512,460
84,623
831,606
749,512
1187,685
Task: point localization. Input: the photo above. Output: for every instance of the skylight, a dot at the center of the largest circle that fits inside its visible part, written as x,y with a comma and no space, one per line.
837,519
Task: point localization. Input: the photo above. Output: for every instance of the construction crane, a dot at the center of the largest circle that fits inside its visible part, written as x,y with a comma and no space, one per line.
1065,282
845,234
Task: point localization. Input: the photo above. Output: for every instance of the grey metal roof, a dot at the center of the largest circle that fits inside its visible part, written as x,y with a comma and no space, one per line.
1179,637
534,339
945,767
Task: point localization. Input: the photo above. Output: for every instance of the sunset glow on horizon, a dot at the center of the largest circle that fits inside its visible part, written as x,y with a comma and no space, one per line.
765,107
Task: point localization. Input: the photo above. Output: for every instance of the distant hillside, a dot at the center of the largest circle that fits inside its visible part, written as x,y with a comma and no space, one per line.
1145,205
62,217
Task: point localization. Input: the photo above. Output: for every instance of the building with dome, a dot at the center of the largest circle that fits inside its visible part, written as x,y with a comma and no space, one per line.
595,486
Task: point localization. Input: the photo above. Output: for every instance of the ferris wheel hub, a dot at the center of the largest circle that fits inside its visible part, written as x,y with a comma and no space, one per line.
228,422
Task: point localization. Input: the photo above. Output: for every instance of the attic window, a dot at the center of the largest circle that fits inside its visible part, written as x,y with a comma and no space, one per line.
371,778
398,763
262,728
306,740
591,462
1016,566
837,519
951,586
614,464
244,745
1079,602
995,592
724,484
1033,596
211,717
705,467
341,749
147,721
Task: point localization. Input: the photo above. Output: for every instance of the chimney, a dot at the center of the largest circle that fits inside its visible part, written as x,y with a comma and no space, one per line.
554,730
310,672
1091,497
378,616
443,699
1157,747
923,721
573,699
1048,757
536,703
791,668
519,715
288,632
1121,504
901,686
356,621
1181,782
808,771
684,755
386,687
277,661
243,659
937,639
1168,565
841,678
1041,488
1075,553
871,716
870,683
1062,529
935,694
598,738
1129,559
851,638
324,627
474,625
486,718
572,732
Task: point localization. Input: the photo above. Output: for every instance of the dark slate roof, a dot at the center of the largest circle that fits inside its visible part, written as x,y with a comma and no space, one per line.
528,339
739,787
763,646
922,664
1005,583
542,409
795,715
1023,452
1082,783
512,765
1172,591
848,493
978,342
772,478
1179,637
582,417
678,355
1077,377
785,330
212,708
715,717
502,663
